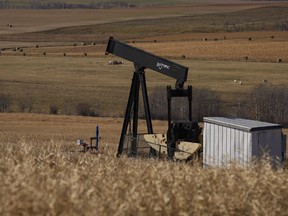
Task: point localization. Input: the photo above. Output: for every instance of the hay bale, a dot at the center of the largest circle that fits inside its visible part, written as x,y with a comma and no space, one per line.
116,62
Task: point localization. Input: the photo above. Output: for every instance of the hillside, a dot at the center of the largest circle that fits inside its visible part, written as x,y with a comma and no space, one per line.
267,18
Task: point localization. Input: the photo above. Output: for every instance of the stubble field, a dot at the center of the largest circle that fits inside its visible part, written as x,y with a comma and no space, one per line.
42,171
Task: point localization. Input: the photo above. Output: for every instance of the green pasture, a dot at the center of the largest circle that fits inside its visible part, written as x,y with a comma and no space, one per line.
66,81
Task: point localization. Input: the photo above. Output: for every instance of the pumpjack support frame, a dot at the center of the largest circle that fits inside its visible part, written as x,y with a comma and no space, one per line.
171,93
138,81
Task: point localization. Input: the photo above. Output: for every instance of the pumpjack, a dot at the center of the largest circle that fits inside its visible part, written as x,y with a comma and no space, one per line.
182,139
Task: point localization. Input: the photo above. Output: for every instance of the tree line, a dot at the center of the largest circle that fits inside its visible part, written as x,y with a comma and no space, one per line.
34,4
265,102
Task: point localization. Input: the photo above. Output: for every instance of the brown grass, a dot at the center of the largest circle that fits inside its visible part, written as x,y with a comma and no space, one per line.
268,50
219,46
40,20
42,172
66,81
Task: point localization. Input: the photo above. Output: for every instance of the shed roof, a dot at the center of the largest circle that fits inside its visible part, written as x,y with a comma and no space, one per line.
242,124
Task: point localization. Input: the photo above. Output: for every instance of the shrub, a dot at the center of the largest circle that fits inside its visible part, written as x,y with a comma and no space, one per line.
26,103
85,109
53,109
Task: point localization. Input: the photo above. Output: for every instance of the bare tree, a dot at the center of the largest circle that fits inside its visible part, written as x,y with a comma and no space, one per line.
26,103
205,103
5,102
269,103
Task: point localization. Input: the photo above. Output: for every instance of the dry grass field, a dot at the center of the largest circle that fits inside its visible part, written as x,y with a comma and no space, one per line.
40,20
65,81
42,171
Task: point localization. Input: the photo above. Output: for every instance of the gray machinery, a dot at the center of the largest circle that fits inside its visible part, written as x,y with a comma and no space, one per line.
177,131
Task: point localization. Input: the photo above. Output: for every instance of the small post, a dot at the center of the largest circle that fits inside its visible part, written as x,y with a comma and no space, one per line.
97,136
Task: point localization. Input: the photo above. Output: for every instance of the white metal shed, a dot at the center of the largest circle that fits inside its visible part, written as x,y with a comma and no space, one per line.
227,140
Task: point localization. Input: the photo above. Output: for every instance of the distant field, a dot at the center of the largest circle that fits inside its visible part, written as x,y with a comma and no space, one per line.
47,52
195,17
248,46
65,81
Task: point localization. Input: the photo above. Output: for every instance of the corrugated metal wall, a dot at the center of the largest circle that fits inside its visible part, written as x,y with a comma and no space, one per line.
223,145
227,140
267,140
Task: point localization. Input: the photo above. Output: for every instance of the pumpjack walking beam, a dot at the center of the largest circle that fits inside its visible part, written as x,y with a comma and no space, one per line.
142,60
